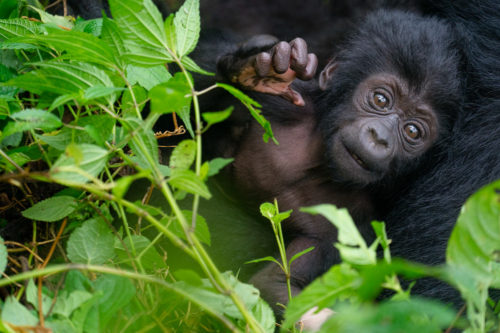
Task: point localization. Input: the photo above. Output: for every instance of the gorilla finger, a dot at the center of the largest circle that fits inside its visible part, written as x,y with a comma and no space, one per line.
298,54
263,63
281,57
310,70
293,96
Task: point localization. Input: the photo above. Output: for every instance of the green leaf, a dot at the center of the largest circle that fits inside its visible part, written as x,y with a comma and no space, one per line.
112,36
171,96
217,117
51,209
15,313
268,210
190,65
187,27
79,164
80,46
92,243
18,28
145,138
412,316
268,258
150,258
474,244
186,180
30,119
128,105
183,155
379,228
3,255
337,283
142,25
147,77
201,229
251,105
98,91
218,164
351,244
56,20
299,254
67,303
117,293
62,78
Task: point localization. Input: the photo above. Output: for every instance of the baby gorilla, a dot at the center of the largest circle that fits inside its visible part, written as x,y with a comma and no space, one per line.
349,138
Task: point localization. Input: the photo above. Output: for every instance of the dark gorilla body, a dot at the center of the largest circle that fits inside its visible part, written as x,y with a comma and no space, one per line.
421,211
379,107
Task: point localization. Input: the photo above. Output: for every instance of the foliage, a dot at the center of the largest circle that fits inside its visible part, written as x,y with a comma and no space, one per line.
72,95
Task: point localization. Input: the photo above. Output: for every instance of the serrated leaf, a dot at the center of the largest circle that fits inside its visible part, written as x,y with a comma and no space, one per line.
29,119
79,46
186,180
112,36
147,77
79,164
183,155
62,78
187,27
91,243
51,209
18,27
142,24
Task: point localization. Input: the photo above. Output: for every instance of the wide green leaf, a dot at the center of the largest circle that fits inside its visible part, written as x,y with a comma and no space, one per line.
79,164
143,142
51,209
188,181
474,244
183,155
30,119
147,77
150,258
187,27
91,243
142,25
171,96
15,313
18,28
79,46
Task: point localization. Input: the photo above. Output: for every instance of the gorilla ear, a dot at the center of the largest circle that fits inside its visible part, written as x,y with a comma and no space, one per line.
326,74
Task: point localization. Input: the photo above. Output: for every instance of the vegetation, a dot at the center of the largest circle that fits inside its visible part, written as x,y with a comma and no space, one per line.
74,139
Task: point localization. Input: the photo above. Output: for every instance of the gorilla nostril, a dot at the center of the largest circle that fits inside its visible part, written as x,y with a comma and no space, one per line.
377,138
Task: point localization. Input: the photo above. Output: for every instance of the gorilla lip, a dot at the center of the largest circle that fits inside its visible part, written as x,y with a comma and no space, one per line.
357,159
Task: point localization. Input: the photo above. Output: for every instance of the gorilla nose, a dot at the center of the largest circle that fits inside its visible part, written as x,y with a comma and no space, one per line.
378,142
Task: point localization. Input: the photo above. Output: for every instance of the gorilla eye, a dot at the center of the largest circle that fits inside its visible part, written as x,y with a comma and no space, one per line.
380,100
412,131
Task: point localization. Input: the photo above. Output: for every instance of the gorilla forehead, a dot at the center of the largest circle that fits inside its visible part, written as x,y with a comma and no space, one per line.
421,51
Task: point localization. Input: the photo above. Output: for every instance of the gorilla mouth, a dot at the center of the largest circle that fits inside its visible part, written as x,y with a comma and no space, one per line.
358,160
